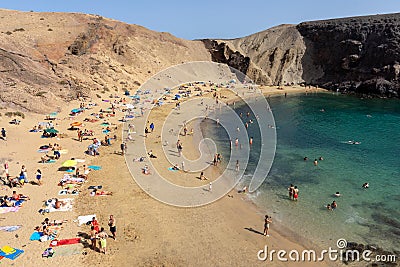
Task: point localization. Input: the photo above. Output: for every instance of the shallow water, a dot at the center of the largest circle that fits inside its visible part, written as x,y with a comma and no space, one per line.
317,125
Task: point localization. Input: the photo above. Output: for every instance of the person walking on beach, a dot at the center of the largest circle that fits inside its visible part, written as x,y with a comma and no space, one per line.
3,134
113,227
210,187
237,165
267,221
151,127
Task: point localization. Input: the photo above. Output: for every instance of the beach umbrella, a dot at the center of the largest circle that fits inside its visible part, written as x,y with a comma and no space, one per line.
177,96
51,130
135,96
76,110
129,106
70,163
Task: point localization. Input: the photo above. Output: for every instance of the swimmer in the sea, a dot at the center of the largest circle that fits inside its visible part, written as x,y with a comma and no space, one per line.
337,194
365,185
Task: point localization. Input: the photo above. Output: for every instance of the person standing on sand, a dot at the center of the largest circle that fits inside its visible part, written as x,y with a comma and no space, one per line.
6,170
24,172
113,227
39,176
267,221
179,147
93,238
210,187
123,148
3,134
237,165
103,240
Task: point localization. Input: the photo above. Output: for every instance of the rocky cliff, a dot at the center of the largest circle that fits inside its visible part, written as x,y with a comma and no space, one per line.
359,54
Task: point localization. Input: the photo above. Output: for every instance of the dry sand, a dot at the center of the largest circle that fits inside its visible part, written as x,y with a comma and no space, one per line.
149,233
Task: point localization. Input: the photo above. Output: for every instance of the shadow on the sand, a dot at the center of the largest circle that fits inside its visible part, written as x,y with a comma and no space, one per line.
254,231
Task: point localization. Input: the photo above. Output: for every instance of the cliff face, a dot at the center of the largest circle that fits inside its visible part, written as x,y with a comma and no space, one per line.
48,58
360,54
272,56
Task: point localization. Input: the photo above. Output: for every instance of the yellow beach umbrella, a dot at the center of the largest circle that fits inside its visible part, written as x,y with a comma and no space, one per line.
69,163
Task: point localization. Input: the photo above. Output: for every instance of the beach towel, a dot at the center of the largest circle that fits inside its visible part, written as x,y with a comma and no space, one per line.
43,150
106,131
94,167
35,236
64,242
80,160
105,124
75,249
50,161
8,209
12,256
10,228
18,203
85,218
172,169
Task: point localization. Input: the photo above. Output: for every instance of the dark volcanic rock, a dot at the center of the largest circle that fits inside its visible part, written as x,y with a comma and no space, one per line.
221,53
359,54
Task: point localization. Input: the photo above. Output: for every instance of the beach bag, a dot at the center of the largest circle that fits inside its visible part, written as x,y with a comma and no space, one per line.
48,253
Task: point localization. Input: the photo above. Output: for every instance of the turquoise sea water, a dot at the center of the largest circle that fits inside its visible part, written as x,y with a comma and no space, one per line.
317,125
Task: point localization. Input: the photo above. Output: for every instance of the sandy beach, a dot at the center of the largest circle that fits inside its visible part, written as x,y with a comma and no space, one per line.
227,232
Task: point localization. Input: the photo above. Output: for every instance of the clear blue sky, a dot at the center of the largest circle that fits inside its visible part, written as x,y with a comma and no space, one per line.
192,19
